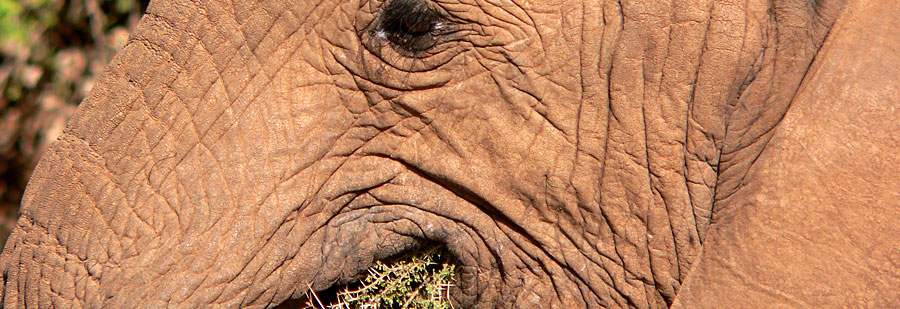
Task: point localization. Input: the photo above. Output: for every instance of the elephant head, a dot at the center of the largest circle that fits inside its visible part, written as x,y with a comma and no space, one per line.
567,153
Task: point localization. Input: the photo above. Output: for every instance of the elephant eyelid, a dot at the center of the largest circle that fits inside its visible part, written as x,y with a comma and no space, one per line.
410,25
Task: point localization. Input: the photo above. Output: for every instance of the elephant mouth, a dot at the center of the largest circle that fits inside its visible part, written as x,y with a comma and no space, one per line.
396,215
393,234
425,272
363,242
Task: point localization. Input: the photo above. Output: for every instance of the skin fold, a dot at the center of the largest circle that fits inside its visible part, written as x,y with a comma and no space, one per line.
569,154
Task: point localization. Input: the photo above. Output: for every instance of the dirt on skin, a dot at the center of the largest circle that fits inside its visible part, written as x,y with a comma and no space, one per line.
52,52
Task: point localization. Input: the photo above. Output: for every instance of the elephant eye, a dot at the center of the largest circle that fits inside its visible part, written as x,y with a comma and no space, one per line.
410,25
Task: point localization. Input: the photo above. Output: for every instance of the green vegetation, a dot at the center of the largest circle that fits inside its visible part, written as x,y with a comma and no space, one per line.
39,38
421,279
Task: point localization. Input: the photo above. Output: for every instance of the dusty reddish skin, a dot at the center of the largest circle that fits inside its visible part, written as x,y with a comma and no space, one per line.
610,153
817,220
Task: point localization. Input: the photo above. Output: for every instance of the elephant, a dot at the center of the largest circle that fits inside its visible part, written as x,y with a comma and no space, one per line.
595,153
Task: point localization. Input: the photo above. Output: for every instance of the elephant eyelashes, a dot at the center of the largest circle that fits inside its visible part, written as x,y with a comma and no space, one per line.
411,35
410,25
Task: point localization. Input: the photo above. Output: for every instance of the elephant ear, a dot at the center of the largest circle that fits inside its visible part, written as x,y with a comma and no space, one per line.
815,223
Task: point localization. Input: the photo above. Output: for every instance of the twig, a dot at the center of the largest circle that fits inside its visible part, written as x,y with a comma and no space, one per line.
413,296
315,296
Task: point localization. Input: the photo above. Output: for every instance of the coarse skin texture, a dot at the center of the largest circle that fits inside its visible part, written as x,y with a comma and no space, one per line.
569,154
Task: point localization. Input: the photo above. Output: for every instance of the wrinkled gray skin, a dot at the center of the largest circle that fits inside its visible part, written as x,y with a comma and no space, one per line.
605,153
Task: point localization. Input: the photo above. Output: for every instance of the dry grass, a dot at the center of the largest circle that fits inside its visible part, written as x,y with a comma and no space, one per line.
421,279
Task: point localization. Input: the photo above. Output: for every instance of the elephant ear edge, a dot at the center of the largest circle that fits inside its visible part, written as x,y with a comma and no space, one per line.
815,221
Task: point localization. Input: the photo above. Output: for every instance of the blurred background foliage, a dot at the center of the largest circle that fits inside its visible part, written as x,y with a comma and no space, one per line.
52,52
